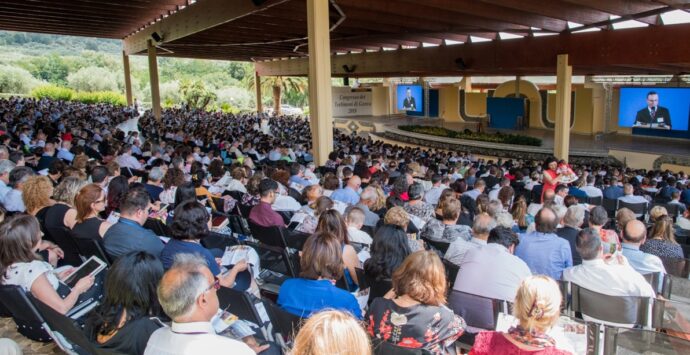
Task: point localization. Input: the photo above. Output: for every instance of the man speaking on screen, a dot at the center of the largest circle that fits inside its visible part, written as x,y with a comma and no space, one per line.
408,103
653,115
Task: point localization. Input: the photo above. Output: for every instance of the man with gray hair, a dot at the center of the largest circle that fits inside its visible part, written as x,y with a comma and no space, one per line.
153,185
366,200
628,196
6,167
188,294
12,200
572,221
483,224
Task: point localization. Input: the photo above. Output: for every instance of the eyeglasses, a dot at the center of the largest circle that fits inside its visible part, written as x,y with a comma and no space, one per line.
215,285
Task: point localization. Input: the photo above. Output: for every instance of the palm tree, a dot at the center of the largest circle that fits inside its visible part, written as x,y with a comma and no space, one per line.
278,84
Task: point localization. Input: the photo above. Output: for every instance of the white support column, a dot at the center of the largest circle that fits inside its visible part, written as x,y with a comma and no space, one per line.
564,73
153,76
320,96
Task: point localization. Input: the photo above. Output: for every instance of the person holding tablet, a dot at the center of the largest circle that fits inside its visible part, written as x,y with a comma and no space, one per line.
20,237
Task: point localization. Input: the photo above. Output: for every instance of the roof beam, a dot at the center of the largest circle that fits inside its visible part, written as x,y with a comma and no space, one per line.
622,7
603,50
554,9
193,19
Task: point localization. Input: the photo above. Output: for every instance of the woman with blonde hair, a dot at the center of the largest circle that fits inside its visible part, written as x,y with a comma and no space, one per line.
36,194
413,314
519,212
662,241
331,332
656,212
537,307
63,213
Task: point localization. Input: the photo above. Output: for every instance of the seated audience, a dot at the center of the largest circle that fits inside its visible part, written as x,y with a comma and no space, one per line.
545,252
332,222
483,224
634,235
12,200
128,234
331,332
188,295
447,230
37,196
574,217
629,197
416,207
683,222
492,270
348,194
124,321
63,214
413,314
354,219
537,307
189,226
662,241
321,266
20,237
154,185
262,214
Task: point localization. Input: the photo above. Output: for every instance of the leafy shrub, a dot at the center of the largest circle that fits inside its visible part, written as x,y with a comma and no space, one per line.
497,137
92,79
106,97
15,80
52,92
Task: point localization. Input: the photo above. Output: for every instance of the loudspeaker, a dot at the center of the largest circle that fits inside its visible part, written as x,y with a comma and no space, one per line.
156,37
460,63
346,81
258,2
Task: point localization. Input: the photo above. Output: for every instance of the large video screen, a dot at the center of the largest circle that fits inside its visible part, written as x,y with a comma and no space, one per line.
654,107
410,98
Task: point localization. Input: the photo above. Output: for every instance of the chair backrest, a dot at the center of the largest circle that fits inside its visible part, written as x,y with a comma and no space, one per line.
29,321
610,205
377,288
271,236
637,341
239,225
63,326
640,209
676,288
240,304
614,309
89,247
596,201
63,238
677,267
477,311
673,210
382,347
671,315
284,323
535,194
440,246
451,272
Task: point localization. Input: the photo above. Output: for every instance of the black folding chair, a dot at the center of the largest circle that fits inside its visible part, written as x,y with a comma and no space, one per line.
245,307
480,313
67,335
29,321
613,309
91,247
595,201
638,341
611,206
63,238
273,250
285,324
440,246
451,273
639,209
382,347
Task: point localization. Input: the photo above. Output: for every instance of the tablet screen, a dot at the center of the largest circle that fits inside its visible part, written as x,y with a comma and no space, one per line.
90,266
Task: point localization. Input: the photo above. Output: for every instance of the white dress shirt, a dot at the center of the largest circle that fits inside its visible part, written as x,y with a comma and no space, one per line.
128,161
491,271
432,196
358,236
459,247
592,191
633,199
193,338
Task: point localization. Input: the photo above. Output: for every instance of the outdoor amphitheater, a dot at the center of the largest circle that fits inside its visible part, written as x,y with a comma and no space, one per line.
351,177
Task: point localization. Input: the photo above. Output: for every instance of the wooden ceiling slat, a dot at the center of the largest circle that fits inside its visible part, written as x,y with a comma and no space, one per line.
555,9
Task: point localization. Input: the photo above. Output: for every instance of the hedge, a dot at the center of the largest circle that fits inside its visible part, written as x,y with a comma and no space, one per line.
497,137
58,93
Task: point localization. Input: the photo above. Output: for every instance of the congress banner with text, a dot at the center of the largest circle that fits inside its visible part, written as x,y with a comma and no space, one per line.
348,102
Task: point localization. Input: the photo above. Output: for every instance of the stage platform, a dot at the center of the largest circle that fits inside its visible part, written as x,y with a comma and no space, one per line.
599,144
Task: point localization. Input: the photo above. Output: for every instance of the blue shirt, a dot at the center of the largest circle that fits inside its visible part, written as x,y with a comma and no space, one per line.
581,195
685,196
127,235
303,297
642,262
613,192
545,254
175,247
300,181
346,195
65,154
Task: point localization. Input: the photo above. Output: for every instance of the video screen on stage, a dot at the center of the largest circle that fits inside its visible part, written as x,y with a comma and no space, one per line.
654,107
410,98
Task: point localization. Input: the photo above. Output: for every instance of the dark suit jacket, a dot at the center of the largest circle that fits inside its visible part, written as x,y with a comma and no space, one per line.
644,117
570,234
409,104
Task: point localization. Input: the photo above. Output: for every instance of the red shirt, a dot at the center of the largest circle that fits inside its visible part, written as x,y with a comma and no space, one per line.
496,343
263,215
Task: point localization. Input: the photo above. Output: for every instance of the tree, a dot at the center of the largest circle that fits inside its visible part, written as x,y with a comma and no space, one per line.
52,69
92,79
277,84
195,94
15,80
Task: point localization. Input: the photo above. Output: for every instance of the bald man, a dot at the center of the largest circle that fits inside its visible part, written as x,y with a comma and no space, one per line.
542,250
634,235
350,193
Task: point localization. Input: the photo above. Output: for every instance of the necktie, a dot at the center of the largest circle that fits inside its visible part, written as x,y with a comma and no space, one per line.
653,113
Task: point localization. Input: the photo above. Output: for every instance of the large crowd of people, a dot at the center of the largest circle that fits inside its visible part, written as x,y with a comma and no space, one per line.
371,230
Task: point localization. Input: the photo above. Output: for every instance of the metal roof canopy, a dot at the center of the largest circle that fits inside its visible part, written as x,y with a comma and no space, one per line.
277,29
